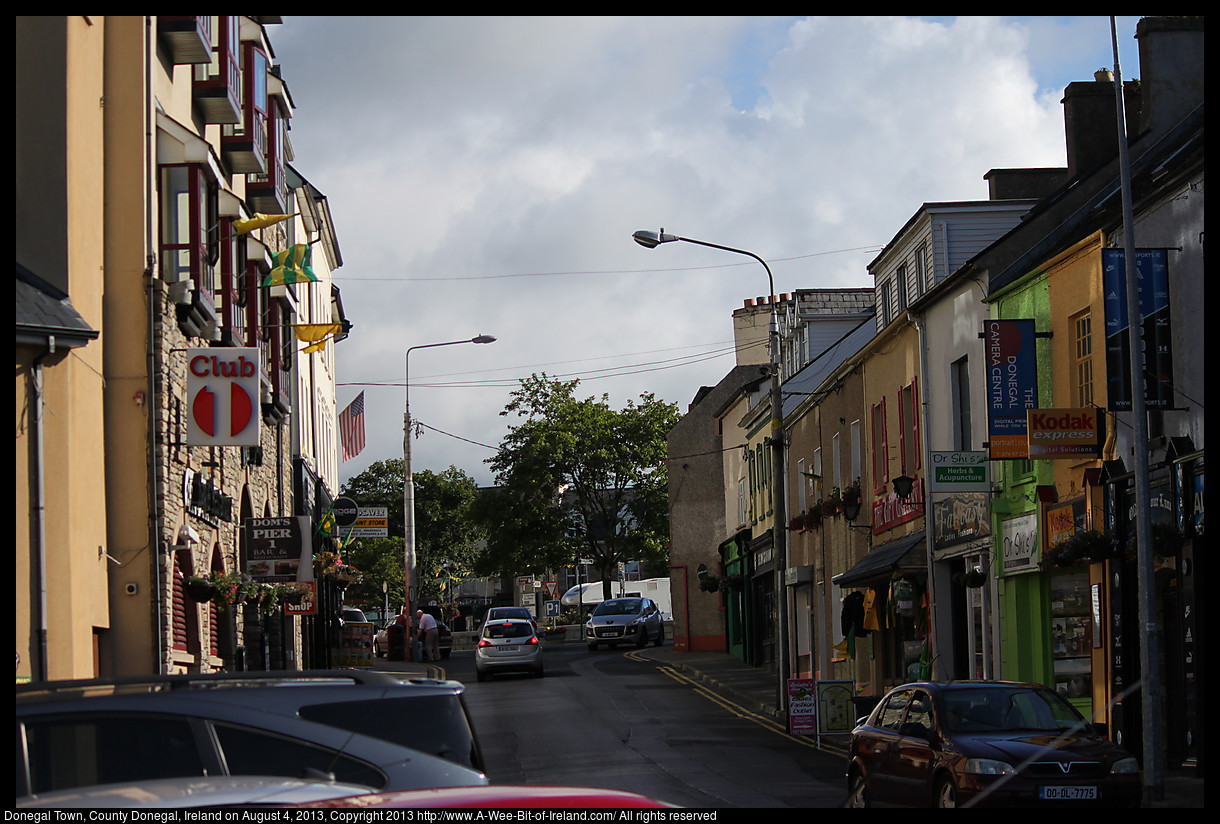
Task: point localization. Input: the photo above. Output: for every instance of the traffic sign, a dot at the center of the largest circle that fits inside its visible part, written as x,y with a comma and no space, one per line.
552,609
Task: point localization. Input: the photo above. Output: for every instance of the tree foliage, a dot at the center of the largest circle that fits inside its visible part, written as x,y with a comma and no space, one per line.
446,535
576,479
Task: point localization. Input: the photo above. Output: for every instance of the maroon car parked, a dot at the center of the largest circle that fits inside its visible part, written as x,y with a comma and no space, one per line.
992,743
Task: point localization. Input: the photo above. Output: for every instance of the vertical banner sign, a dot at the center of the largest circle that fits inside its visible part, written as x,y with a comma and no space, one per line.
1012,384
222,388
1152,273
802,706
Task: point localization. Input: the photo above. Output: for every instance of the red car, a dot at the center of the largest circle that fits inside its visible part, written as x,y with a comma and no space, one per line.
992,743
513,797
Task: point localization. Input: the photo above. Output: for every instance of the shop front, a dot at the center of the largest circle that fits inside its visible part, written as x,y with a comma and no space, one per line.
884,615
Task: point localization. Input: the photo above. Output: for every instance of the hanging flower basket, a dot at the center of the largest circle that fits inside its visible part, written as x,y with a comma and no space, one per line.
231,587
1083,546
199,589
709,583
971,579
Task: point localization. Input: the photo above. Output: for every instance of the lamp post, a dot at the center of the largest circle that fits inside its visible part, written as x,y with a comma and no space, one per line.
408,490
652,240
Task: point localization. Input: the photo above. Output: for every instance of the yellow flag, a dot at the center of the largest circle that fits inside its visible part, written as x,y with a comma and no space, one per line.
259,221
312,332
314,347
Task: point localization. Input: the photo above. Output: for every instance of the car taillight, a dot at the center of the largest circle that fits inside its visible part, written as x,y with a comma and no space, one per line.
483,642
533,639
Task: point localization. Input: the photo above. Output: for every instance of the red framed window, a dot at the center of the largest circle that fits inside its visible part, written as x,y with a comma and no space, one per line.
880,448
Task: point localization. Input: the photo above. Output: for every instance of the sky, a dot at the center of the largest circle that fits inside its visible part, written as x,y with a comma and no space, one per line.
485,175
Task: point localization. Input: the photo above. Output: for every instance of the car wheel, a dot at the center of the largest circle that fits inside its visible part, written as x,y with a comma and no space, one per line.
592,647
376,650
445,653
539,672
858,796
660,636
480,675
946,794
643,639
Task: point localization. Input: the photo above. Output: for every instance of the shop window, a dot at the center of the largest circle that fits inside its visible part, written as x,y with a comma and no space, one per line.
1071,634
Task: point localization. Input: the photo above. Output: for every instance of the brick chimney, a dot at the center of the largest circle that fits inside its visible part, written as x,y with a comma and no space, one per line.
1090,123
1171,70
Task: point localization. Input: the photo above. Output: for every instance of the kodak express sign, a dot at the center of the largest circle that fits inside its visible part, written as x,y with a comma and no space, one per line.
222,387
1064,433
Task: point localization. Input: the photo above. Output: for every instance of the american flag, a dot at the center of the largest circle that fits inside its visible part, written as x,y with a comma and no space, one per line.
351,428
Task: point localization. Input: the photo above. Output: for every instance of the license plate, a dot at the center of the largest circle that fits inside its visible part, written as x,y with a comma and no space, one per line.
509,649
1067,793
611,632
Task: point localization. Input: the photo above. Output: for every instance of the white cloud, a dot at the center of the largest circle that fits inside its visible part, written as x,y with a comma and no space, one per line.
474,147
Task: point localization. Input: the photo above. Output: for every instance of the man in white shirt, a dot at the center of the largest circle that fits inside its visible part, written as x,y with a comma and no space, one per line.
430,635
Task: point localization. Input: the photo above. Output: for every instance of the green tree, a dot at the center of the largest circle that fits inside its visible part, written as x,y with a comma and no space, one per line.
575,479
446,534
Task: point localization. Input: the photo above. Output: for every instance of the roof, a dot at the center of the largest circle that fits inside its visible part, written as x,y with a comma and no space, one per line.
43,311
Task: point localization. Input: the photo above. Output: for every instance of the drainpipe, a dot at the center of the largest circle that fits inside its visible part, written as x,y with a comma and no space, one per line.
929,523
38,626
154,484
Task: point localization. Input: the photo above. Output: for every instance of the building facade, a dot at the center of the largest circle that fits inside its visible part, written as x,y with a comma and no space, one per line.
213,257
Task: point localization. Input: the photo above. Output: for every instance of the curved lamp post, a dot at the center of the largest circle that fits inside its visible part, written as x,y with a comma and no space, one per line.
652,240
408,489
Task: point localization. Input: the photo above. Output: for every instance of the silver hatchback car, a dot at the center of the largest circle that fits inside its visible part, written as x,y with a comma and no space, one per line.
508,645
625,620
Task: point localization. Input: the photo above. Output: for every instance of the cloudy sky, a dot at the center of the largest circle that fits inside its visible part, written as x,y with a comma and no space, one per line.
485,176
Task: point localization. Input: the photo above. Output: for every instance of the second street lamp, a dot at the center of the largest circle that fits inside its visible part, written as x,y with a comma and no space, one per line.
408,491
652,240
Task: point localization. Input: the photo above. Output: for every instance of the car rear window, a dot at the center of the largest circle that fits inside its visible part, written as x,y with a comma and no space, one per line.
434,724
510,630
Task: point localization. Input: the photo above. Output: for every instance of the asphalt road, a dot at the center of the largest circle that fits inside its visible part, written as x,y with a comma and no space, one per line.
614,719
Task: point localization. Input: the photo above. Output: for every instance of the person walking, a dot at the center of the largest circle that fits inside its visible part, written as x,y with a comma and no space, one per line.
429,634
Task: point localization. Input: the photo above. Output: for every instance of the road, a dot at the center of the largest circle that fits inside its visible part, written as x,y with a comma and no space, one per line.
614,719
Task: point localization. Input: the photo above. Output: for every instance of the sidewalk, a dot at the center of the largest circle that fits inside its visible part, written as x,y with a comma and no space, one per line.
756,689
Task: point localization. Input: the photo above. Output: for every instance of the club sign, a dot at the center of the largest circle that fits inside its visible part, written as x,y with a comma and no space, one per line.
222,386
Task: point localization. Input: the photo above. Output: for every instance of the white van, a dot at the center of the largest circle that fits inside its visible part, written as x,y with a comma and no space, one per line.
654,589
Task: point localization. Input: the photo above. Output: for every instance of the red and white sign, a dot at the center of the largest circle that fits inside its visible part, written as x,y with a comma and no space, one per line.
222,387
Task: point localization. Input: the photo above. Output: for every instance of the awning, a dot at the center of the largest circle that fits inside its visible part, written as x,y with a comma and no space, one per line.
907,554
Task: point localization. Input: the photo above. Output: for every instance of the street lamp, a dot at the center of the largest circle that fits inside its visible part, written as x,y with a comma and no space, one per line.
408,489
652,240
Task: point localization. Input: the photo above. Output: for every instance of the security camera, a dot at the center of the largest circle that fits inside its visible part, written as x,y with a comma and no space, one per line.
131,588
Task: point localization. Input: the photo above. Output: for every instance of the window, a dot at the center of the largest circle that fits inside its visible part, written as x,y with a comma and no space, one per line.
880,449
900,282
802,486
921,271
836,477
1082,338
890,716
856,447
959,378
908,427
190,226
218,83
252,752
73,752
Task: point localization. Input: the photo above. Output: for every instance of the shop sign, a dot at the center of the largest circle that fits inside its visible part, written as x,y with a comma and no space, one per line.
890,511
836,710
1019,542
961,517
1064,433
279,550
802,706
222,390
959,472
309,600
205,500
1012,384
373,522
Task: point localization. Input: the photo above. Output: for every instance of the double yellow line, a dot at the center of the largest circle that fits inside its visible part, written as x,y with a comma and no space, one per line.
768,724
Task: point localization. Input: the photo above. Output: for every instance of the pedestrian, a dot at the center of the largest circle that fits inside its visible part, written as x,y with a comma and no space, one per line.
429,634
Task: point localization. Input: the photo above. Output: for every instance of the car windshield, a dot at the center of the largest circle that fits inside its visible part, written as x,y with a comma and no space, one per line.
497,614
619,606
511,629
998,709
354,615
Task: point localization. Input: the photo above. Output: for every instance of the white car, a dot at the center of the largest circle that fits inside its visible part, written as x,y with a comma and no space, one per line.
508,645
